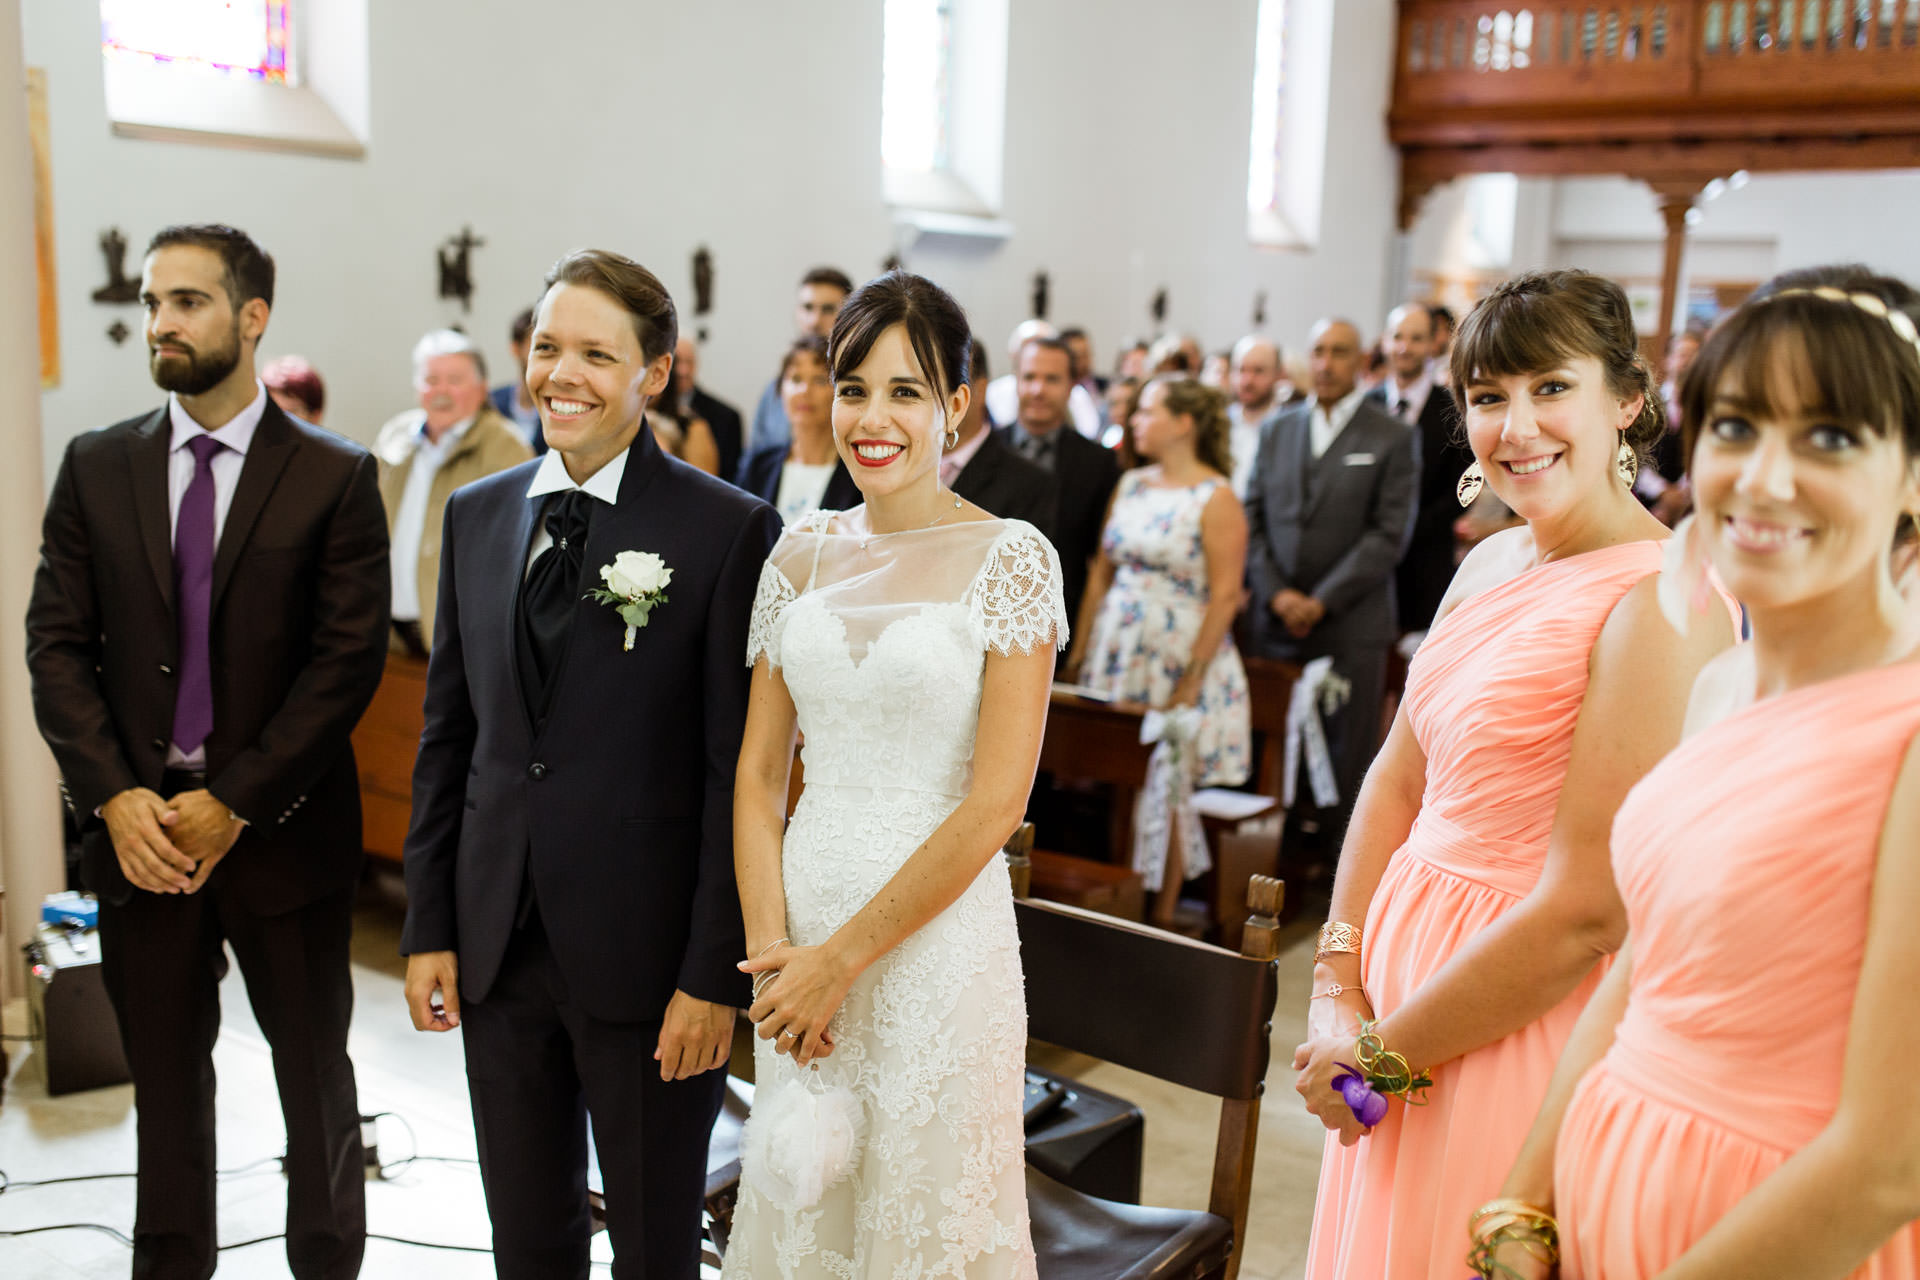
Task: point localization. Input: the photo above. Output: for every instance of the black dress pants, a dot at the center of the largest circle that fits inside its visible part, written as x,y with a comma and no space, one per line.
162,958
537,1066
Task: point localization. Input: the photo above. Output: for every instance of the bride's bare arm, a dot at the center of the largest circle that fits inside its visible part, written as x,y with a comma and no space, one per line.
760,806
814,980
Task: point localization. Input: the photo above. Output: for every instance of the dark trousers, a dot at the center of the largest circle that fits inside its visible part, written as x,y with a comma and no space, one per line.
537,1066
162,958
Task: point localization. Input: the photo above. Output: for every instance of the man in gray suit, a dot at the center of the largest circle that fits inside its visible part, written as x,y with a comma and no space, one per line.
1329,510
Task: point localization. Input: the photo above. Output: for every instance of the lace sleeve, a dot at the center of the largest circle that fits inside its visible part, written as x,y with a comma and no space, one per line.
769,603
1018,603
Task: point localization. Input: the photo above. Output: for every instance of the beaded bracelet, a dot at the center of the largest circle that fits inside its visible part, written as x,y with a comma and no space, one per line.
1506,1221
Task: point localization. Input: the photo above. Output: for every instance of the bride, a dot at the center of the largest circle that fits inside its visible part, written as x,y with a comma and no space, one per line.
911,640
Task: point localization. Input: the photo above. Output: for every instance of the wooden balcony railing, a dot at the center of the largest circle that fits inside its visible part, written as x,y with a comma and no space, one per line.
1490,72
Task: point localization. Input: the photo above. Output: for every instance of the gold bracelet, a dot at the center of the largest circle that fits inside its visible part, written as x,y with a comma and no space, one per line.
1508,1221
1337,938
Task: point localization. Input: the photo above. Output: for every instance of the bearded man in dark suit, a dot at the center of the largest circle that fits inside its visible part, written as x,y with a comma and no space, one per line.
208,623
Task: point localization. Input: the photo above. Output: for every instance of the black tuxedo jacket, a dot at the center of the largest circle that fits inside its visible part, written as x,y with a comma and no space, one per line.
1000,481
1427,568
1083,478
724,421
760,476
619,803
298,642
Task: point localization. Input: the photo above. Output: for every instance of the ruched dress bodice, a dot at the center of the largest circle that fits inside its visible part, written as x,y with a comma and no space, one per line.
1493,695
1746,860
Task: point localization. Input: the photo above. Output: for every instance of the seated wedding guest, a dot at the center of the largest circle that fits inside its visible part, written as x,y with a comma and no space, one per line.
683,434
1155,624
1474,901
1256,383
1003,393
804,473
1083,473
207,624
692,401
818,300
296,387
455,437
1737,1099
983,469
512,400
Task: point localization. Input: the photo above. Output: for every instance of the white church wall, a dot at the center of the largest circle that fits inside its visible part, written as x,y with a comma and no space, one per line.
751,128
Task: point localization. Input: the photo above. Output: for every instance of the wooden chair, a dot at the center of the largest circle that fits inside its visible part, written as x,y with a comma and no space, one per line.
385,743
1180,1011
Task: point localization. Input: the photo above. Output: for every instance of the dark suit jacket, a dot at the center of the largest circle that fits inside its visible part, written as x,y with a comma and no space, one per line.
760,476
1083,478
1332,528
298,642
620,801
724,421
502,398
1427,568
1001,481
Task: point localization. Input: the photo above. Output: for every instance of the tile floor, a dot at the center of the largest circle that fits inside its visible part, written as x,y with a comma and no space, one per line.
420,1078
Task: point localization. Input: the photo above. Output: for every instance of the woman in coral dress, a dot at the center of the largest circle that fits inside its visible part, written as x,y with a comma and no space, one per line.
1473,902
1741,1089
1156,623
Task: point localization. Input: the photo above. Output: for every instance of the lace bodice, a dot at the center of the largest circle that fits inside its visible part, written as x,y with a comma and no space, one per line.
882,640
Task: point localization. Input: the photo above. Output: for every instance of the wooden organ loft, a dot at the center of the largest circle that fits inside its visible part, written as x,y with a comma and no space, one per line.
1672,94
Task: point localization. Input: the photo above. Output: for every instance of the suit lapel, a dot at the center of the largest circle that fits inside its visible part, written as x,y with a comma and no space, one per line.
1296,449
147,463
523,514
1322,469
273,446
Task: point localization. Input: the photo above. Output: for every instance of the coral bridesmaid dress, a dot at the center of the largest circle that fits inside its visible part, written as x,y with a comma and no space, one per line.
1492,696
1747,860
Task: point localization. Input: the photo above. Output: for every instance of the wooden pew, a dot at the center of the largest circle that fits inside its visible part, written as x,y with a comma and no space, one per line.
1088,740
384,745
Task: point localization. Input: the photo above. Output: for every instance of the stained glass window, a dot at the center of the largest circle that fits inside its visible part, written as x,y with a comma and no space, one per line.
1267,157
916,85
240,38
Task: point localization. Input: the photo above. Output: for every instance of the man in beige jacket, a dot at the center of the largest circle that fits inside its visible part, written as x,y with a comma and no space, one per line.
455,437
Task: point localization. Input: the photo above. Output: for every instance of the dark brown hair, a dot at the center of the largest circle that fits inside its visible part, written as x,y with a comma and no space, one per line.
1540,320
1212,443
633,287
249,267
1046,344
810,345
1813,355
979,372
936,325
832,277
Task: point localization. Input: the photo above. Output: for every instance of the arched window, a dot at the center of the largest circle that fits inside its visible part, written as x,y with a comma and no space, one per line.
280,74
943,100
1287,143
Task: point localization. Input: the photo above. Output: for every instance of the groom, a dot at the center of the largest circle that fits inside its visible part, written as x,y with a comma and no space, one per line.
570,890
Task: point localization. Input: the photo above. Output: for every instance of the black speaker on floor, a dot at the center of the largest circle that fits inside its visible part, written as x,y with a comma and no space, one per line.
69,1012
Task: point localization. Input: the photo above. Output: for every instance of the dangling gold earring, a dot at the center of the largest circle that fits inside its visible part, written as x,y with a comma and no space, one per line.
953,437
1626,462
1470,481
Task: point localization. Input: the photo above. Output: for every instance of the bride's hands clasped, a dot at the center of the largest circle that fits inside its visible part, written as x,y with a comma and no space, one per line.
796,1000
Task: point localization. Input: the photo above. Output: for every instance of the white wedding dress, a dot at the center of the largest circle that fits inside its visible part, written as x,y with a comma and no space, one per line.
882,641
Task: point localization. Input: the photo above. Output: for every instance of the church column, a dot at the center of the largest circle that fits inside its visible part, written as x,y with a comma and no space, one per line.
31,857
1676,202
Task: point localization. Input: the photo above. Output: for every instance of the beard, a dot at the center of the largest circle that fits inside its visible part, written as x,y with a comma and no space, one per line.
197,372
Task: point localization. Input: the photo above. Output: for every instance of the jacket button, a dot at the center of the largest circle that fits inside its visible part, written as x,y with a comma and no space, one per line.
158,744
165,670
536,771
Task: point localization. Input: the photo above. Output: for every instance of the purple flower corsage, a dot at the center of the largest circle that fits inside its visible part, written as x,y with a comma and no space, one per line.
1368,1107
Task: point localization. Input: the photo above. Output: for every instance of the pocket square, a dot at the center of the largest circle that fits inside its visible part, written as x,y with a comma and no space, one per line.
1359,459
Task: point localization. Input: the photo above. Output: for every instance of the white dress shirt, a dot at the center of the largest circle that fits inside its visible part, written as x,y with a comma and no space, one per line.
410,522
237,434
552,477
1243,441
1409,402
1327,423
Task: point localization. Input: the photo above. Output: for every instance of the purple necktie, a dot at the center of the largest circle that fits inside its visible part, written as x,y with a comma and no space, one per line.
193,599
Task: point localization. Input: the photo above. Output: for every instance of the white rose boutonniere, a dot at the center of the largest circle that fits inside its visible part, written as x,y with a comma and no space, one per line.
636,584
